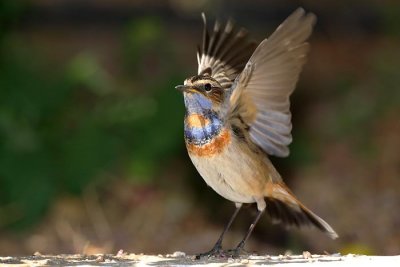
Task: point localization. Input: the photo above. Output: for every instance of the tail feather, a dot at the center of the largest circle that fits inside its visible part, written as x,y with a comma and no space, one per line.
283,207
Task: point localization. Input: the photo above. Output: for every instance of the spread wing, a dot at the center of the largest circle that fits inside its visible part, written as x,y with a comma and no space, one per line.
260,97
224,53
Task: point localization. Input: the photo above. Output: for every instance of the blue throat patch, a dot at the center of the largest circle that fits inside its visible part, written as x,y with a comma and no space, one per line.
205,125
196,103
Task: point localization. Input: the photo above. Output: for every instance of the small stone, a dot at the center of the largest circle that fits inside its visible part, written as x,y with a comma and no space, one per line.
307,255
37,253
288,253
120,253
178,254
100,258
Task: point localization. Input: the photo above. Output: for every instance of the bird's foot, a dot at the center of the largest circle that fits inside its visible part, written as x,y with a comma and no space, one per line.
237,252
216,252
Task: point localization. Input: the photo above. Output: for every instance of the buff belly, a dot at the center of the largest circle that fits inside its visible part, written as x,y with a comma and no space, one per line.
233,171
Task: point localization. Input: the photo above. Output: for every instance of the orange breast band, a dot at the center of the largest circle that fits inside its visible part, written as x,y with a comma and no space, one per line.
214,147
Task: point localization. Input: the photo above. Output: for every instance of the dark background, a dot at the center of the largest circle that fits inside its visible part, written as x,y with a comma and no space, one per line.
92,158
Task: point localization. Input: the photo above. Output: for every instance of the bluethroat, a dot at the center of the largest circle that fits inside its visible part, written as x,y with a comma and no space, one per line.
238,113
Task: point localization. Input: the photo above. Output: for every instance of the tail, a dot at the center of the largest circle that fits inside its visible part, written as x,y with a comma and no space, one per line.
285,208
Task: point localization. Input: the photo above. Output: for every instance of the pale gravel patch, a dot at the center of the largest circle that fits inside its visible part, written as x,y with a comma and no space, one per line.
181,259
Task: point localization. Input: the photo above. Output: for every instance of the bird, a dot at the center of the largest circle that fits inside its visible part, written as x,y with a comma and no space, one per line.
237,115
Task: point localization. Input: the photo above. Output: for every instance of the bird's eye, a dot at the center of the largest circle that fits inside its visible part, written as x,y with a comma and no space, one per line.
207,87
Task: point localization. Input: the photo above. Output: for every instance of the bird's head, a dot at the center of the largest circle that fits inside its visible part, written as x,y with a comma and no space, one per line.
202,92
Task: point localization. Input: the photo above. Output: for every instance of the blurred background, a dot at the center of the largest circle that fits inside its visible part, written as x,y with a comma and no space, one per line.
92,158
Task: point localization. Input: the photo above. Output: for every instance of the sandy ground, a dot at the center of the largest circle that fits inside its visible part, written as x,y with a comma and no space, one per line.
181,259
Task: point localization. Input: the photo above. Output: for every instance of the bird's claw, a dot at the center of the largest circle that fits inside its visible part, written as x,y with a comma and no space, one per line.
218,252
236,252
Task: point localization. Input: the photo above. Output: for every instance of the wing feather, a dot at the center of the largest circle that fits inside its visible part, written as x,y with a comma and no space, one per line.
269,78
224,53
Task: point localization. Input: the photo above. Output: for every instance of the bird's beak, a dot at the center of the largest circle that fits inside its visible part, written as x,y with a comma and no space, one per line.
182,88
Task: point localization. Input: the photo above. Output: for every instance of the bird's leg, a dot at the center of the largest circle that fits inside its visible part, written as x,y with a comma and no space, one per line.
236,252
217,249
